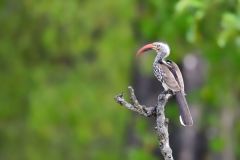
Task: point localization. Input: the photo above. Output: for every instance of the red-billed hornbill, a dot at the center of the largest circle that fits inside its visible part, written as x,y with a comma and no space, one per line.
168,73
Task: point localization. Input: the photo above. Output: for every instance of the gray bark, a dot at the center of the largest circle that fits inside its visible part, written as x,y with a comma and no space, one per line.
156,111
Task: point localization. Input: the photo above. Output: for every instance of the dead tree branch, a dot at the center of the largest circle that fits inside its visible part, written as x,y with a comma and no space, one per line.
158,112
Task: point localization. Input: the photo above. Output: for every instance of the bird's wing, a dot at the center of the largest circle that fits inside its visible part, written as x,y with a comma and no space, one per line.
169,78
178,73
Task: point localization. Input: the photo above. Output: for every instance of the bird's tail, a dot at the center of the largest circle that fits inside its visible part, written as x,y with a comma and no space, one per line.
185,115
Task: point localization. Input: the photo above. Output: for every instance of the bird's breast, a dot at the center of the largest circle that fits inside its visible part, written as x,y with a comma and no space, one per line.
158,72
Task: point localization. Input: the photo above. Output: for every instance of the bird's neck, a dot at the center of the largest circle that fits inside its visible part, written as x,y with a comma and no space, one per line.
159,59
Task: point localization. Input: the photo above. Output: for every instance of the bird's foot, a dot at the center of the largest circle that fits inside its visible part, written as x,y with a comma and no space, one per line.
167,93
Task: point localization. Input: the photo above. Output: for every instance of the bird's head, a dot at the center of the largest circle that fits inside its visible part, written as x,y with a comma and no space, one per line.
161,48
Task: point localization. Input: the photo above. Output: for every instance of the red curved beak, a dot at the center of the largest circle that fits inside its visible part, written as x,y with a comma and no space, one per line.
144,49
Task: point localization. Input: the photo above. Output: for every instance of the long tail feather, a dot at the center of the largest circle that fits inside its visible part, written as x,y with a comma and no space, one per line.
185,115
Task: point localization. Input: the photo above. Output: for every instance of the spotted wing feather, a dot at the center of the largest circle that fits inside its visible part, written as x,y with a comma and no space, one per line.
169,78
178,73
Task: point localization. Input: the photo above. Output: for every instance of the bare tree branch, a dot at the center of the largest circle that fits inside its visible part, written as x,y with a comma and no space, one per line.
162,127
158,112
134,105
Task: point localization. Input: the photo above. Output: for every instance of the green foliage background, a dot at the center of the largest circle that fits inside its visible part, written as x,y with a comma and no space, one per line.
62,62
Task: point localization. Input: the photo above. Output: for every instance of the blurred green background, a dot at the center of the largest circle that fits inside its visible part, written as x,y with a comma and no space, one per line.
62,62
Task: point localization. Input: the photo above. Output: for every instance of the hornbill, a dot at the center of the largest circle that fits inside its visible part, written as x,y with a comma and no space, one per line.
168,73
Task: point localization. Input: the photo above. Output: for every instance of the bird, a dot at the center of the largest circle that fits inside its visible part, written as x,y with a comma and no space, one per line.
170,76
